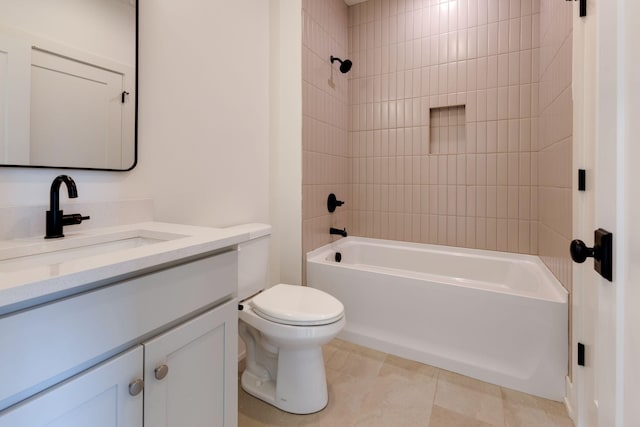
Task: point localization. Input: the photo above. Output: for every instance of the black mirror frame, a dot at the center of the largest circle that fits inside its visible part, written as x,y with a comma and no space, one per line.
135,123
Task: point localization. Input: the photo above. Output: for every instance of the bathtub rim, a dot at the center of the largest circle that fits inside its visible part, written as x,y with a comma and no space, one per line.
560,293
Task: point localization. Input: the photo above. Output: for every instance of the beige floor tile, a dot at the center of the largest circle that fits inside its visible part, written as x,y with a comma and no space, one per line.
253,412
370,388
363,363
398,401
246,421
342,344
328,351
522,416
346,394
469,397
551,407
523,410
369,353
560,420
441,417
337,358
394,365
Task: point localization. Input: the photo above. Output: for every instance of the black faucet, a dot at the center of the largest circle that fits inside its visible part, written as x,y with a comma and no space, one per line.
55,217
342,232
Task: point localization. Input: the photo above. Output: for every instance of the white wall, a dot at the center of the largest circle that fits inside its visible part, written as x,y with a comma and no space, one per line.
203,119
204,109
286,140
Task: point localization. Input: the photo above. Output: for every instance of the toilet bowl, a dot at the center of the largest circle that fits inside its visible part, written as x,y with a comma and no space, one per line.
284,365
283,328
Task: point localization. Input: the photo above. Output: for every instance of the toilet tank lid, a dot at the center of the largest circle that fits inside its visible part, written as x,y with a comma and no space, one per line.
254,229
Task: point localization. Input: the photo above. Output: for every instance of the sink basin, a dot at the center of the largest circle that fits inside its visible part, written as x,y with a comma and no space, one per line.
37,253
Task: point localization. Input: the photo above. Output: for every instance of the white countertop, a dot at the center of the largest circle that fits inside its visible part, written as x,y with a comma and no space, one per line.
24,287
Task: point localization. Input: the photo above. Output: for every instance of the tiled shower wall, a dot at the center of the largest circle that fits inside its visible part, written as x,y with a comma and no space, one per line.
413,56
555,151
502,181
325,114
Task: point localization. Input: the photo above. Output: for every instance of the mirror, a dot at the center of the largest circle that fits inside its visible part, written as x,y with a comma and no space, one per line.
68,83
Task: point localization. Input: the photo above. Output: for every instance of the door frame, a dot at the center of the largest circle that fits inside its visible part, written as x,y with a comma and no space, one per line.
628,259
616,121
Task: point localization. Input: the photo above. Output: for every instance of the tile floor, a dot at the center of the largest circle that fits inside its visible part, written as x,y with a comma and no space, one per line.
370,388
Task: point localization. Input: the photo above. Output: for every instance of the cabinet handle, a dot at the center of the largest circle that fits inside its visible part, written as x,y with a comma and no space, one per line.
161,372
136,387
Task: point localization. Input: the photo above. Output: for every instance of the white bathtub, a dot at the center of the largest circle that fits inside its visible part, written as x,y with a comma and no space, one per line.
498,317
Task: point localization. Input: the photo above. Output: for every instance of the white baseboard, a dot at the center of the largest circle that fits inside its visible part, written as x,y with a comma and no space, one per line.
570,399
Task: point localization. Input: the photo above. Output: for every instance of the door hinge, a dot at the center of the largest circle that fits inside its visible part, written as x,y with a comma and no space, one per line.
583,7
580,354
582,180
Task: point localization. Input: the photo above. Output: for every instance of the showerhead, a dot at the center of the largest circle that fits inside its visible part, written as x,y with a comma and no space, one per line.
345,65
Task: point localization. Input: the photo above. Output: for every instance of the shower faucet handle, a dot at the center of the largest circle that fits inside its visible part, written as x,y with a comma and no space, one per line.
333,202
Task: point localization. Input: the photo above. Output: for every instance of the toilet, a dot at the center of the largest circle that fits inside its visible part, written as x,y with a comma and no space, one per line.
283,328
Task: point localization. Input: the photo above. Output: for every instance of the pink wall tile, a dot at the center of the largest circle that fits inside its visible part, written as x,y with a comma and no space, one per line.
501,235
503,37
493,42
491,234
551,135
484,234
425,174
327,118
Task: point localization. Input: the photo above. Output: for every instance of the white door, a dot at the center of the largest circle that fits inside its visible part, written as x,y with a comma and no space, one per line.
15,61
606,129
76,113
191,372
98,398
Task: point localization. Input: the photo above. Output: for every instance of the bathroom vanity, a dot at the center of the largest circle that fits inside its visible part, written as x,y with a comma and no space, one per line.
123,326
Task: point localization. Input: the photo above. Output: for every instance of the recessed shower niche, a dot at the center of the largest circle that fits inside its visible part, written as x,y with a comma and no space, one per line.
447,133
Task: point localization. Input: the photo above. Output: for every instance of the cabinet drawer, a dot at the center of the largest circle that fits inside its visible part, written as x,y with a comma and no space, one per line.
49,343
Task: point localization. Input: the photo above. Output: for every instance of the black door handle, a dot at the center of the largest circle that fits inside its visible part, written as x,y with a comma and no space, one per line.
580,252
601,252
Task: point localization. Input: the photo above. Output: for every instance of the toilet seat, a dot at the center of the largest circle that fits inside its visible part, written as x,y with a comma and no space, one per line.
297,305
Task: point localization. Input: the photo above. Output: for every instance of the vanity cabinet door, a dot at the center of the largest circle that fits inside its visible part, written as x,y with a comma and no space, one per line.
99,397
191,372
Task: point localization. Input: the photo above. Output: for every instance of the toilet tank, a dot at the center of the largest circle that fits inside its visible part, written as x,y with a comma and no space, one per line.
253,259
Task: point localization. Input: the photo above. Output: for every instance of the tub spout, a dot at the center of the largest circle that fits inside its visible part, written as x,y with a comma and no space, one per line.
342,232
